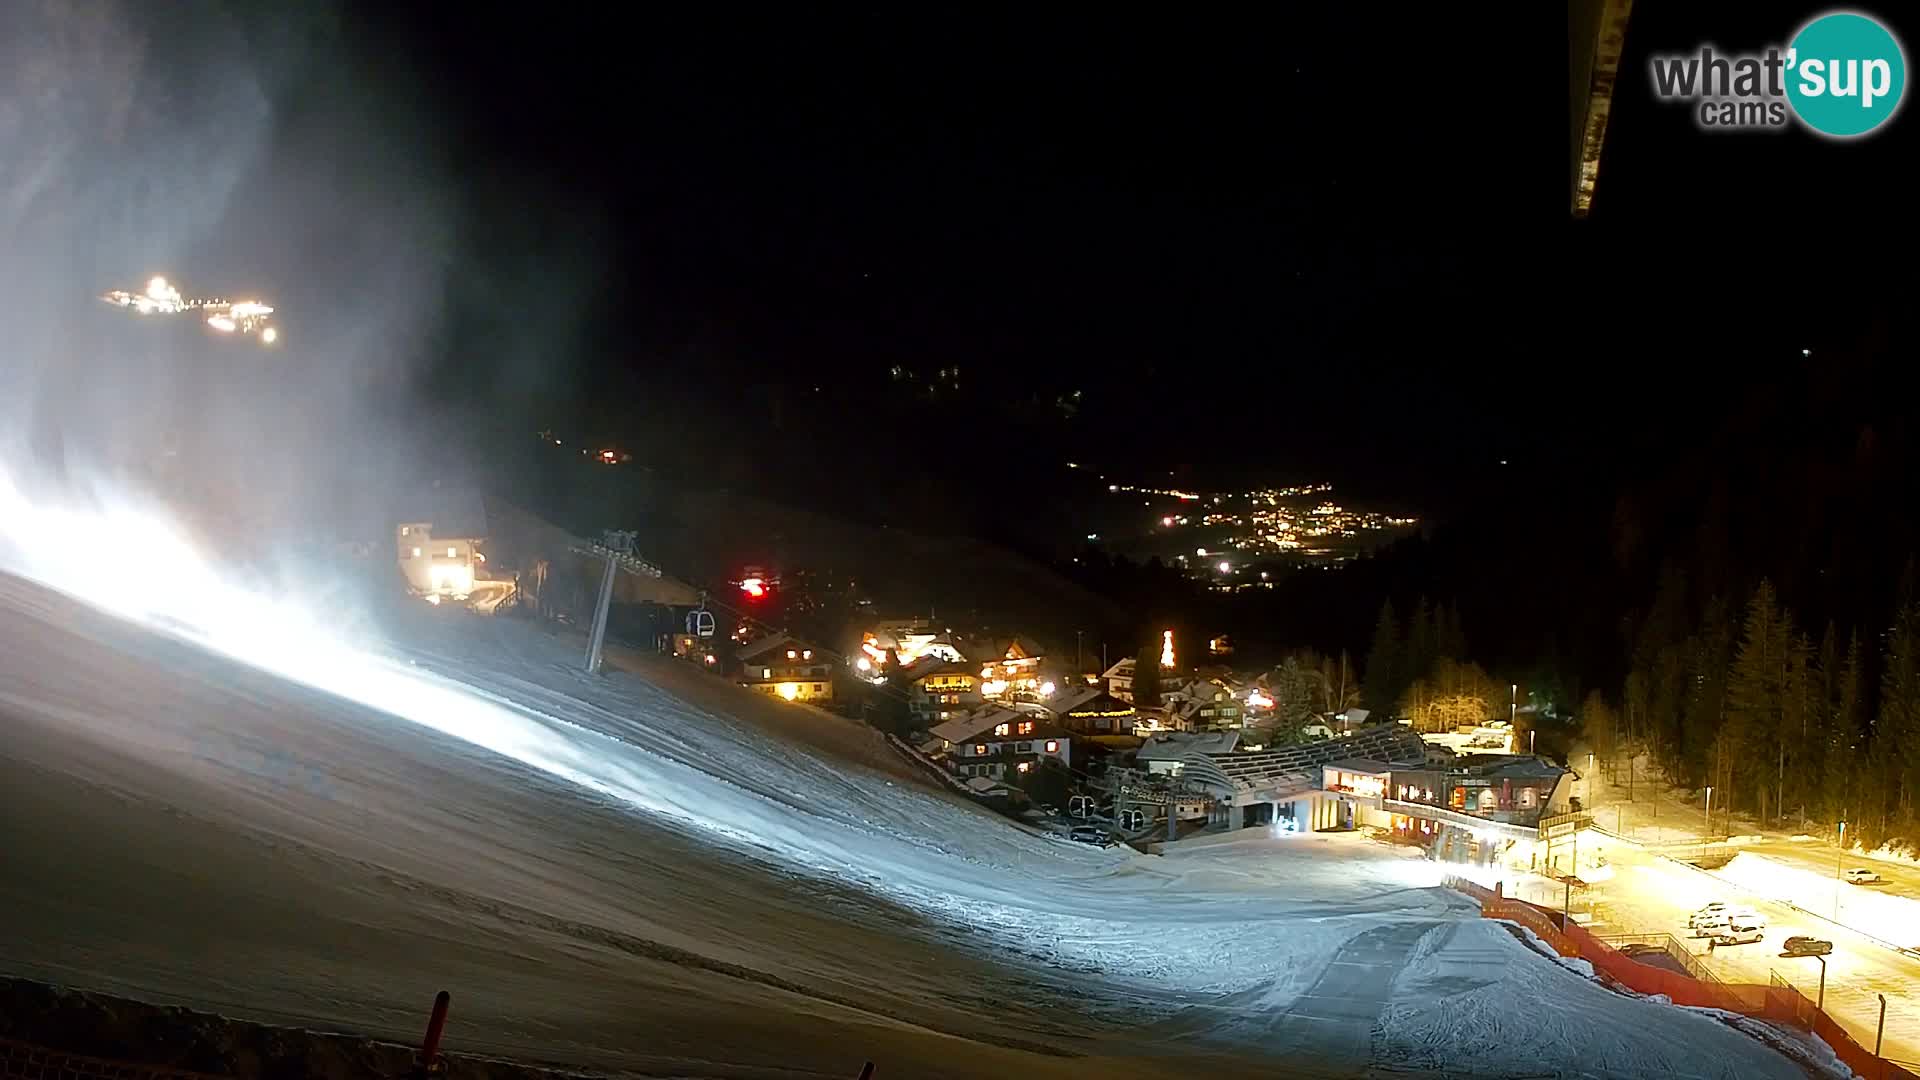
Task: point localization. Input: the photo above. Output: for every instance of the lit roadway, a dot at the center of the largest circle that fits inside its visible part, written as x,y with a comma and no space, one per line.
1902,879
1649,894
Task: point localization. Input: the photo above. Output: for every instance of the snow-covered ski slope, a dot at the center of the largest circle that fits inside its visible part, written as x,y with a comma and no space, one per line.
655,871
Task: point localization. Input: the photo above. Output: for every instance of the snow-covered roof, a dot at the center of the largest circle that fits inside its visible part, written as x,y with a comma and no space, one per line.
933,665
1510,767
763,645
1178,745
1065,703
1121,669
967,726
1361,765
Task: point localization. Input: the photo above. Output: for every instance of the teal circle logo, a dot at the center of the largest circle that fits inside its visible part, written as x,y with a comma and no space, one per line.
1845,74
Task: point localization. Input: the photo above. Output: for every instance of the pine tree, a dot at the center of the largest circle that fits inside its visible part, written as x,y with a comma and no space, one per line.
1146,678
1598,724
1799,755
1383,678
1897,730
1756,698
1845,735
1292,695
1702,685
1420,644
1638,699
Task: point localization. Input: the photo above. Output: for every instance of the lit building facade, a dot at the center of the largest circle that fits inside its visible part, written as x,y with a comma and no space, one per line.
938,691
786,667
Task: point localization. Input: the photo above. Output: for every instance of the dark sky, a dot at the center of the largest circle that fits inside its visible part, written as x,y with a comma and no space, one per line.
1332,242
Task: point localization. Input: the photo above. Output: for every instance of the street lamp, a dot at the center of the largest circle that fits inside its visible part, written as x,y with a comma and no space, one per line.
1837,857
1708,831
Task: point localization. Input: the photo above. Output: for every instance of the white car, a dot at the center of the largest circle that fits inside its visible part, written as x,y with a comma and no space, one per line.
1715,923
1741,932
1860,875
1709,924
1717,908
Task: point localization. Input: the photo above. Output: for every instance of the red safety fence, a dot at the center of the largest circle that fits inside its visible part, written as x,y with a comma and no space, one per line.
1779,1001
1543,926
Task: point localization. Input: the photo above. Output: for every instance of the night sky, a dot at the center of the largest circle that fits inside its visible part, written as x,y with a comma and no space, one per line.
1333,243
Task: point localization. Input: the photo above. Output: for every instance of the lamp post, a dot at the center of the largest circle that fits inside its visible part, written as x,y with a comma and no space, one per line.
1882,1029
1708,830
1837,857
1822,1003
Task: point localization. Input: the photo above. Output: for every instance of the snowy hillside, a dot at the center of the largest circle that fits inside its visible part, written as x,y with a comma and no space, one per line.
607,872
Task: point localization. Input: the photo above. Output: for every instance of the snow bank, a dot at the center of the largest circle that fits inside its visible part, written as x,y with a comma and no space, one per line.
1471,997
1877,913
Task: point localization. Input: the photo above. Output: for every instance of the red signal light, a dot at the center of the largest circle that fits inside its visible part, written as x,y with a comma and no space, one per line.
754,587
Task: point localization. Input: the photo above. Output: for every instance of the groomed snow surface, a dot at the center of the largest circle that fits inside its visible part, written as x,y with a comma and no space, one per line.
655,871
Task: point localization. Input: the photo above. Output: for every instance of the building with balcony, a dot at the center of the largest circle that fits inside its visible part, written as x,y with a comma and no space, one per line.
1119,679
1001,744
1092,711
1485,809
940,690
784,666
1204,705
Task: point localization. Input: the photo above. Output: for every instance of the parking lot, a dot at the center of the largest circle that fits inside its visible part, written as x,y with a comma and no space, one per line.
1647,894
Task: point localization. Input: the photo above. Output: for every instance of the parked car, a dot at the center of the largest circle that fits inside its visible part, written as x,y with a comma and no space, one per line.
1741,932
1713,908
1714,923
1709,924
1860,875
1088,834
1640,948
1715,915
1806,946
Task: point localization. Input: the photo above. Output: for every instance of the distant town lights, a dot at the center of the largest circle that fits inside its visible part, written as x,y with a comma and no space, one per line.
1226,568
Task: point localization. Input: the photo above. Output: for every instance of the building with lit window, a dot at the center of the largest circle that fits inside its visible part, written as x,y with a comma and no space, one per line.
908,640
1093,711
1119,679
1001,744
1204,705
940,690
1008,666
1484,809
784,666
